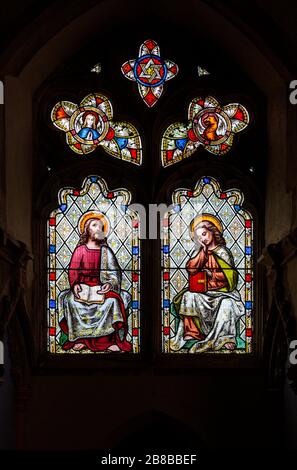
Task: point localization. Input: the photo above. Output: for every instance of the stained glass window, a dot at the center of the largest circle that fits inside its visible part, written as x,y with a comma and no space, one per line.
90,124
150,72
207,271
93,271
209,125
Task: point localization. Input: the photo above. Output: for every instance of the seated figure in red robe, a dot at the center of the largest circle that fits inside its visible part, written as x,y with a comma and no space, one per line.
97,322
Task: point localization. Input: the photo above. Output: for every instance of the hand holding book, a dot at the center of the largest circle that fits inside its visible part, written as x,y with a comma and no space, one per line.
104,288
208,272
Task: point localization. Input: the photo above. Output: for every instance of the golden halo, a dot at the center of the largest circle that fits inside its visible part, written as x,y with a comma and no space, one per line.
94,215
208,218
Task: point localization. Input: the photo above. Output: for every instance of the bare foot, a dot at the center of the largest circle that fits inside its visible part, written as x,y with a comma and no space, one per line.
188,337
78,346
114,347
230,346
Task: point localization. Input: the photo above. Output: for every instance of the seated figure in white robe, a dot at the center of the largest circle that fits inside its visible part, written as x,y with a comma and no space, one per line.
208,314
97,322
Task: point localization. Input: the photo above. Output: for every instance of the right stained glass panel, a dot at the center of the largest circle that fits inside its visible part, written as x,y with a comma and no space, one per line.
207,272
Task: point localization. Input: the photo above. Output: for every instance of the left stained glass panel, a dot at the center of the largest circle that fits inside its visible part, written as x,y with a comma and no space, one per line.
93,272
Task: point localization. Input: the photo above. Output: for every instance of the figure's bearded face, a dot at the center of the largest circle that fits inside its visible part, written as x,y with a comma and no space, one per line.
96,230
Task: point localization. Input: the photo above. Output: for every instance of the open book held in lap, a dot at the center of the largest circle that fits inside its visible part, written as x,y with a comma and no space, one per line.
90,295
